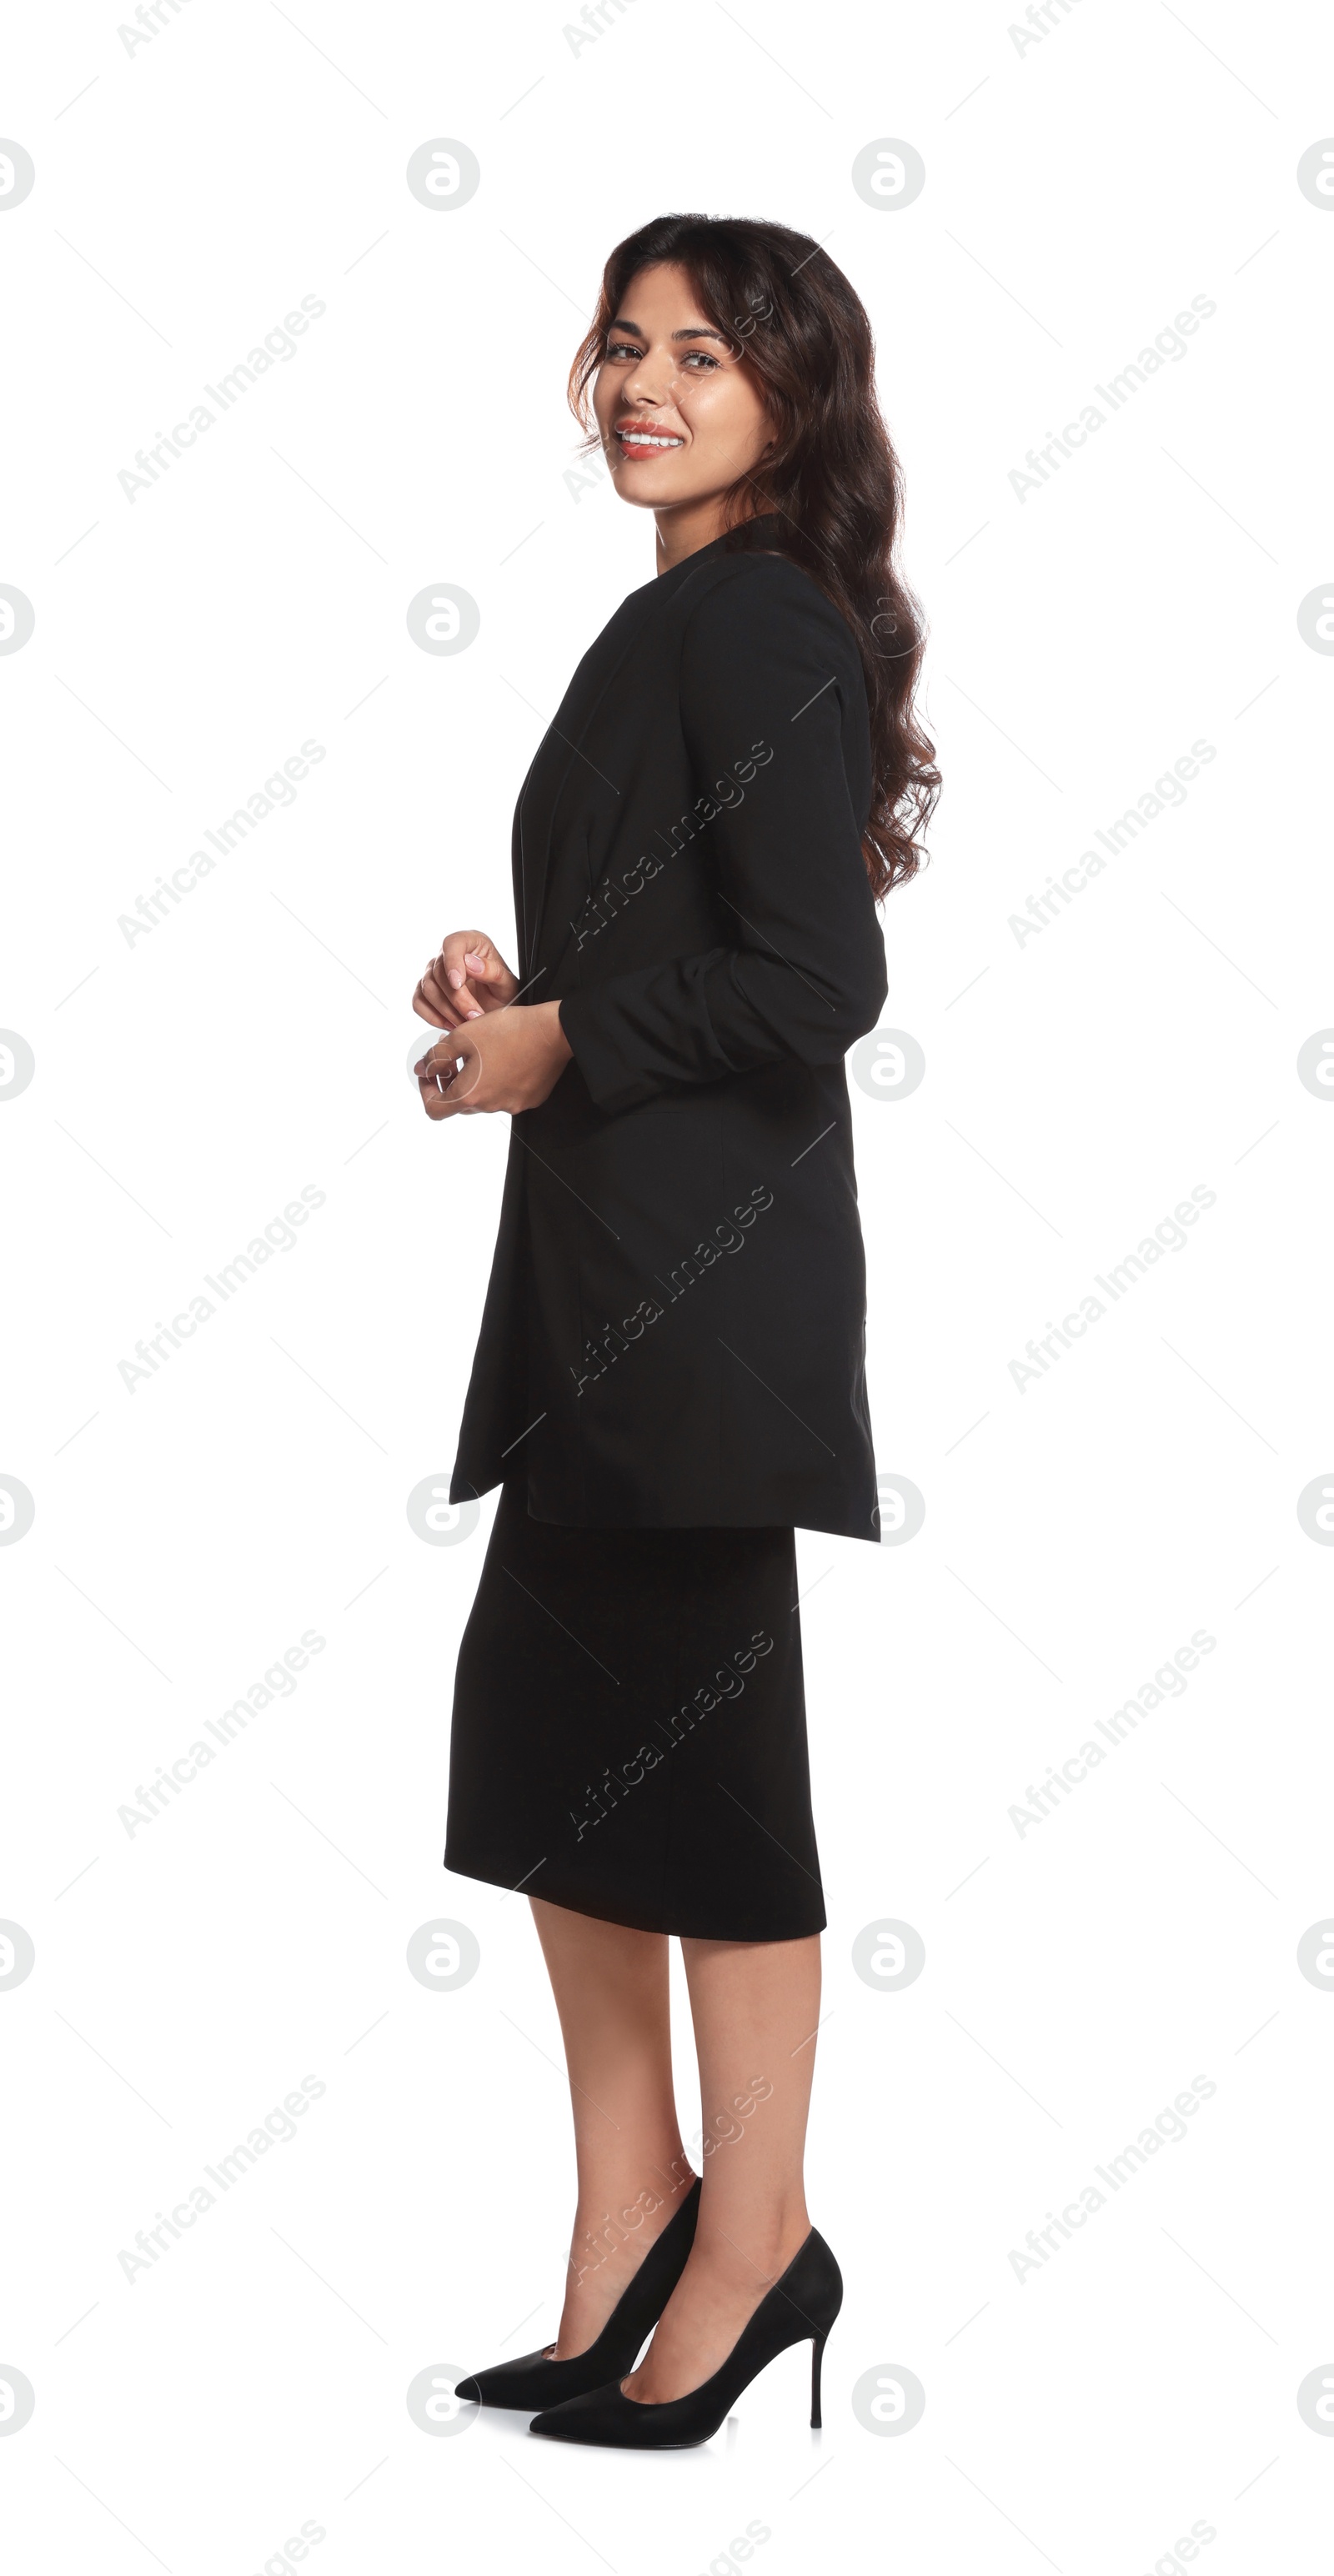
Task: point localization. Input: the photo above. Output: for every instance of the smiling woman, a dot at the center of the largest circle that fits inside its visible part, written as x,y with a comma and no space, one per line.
733,778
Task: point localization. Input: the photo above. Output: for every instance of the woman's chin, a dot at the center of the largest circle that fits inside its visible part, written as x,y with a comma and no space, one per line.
651,483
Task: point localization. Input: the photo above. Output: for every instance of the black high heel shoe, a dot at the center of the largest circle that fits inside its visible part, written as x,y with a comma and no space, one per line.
805,2301
534,2380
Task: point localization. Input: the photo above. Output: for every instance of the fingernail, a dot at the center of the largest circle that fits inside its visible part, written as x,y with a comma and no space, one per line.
474,1015
455,977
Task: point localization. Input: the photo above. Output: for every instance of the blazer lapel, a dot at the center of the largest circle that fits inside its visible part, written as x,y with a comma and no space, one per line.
532,846
569,728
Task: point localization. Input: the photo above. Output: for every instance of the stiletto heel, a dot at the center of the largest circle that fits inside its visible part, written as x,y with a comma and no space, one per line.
804,2302
536,2380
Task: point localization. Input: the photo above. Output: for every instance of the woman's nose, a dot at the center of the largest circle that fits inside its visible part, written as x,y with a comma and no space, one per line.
651,382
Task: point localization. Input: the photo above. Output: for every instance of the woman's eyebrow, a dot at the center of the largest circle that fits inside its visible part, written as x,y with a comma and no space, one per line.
694,331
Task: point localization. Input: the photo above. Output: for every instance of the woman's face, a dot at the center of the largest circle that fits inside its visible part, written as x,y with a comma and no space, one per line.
679,412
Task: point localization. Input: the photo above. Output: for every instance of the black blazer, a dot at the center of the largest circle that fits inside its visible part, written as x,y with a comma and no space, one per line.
674,1331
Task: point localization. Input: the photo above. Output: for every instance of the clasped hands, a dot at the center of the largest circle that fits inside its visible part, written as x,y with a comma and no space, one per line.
497,1053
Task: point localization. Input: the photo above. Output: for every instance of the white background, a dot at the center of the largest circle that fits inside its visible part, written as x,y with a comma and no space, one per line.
1079,193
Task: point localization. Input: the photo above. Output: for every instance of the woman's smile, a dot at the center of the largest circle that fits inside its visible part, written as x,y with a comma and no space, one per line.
643,438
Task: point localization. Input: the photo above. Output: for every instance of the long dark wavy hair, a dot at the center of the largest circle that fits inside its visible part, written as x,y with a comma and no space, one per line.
831,475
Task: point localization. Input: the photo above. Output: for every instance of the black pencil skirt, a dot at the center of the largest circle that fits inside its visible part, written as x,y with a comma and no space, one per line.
629,1728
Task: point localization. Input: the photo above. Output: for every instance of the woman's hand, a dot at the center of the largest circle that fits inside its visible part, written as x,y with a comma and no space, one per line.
510,1059
467,979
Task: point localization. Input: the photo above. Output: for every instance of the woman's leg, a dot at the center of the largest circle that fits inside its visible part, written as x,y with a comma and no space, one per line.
610,1985
755,2007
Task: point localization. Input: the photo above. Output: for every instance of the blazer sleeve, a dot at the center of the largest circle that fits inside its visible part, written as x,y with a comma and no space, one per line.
769,670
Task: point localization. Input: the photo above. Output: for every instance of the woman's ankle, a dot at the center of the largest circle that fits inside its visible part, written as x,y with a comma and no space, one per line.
614,2225
751,2244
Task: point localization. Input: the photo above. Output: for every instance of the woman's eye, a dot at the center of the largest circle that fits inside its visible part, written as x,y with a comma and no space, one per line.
697,359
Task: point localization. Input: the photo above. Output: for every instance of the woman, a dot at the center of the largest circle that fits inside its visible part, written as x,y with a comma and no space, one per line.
669,1376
